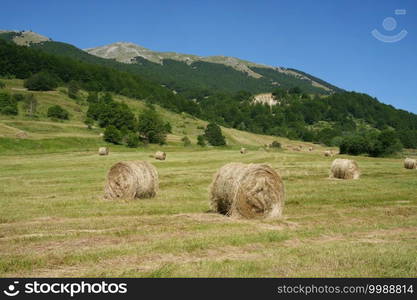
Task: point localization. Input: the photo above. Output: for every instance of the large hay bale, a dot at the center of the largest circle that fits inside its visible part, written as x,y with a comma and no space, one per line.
247,190
131,179
410,163
328,153
160,155
22,135
344,169
103,151
242,150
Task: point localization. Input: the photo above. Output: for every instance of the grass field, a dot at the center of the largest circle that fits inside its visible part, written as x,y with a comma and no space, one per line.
54,222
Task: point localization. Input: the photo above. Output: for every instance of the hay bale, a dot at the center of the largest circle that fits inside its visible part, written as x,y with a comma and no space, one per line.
103,151
160,155
243,151
101,134
410,163
344,169
22,135
130,180
248,191
310,149
328,153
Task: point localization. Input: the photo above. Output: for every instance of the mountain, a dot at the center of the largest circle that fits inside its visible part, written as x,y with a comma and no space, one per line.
275,76
183,73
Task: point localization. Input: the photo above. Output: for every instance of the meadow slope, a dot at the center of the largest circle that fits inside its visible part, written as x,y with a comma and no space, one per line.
54,221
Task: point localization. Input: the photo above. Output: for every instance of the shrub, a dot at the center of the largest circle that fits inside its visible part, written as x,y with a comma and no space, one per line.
113,135
275,144
214,136
89,122
132,140
18,97
2,85
73,89
201,141
8,106
42,81
57,112
186,141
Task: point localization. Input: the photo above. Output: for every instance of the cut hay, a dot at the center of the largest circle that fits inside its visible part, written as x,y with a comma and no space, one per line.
248,191
410,163
103,151
22,135
160,155
344,169
243,151
131,179
328,153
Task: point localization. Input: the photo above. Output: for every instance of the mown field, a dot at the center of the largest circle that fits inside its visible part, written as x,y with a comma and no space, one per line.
54,221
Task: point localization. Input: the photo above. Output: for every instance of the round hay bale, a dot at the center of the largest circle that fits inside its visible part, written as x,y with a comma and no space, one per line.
22,135
248,191
130,180
410,163
103,151
101,134
344,169
310,149
242,150
160,155
328,153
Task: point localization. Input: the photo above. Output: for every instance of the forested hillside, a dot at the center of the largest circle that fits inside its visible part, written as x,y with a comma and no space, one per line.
299,114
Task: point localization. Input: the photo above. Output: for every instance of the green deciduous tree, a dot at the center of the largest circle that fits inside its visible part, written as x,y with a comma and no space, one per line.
214,136
151,127
57,112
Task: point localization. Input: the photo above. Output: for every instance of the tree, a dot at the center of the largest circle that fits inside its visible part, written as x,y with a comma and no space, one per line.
168,127
186,141
73,89
201,141
89,122
30,104
42,81
132,140
112,135
8,106
57,112
213,134
151,127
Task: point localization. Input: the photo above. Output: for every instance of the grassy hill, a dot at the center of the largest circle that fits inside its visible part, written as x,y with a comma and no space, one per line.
45,135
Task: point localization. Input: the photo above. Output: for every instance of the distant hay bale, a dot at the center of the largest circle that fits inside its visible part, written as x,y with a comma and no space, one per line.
160,155
243,151
101,134
310,149
103,151
131,179
410,163
22,135
248,191
344,169
328,153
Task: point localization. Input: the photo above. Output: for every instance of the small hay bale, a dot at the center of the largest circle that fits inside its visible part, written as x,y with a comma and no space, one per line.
101,134
22,135
310,149
410,163
159,155
103,151
131,179
248,191
243,151
344,169
328,153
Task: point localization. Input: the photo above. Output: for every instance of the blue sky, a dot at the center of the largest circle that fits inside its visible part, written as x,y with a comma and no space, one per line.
330,39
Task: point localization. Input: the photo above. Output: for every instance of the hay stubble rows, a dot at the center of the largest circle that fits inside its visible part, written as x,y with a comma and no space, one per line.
53,221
